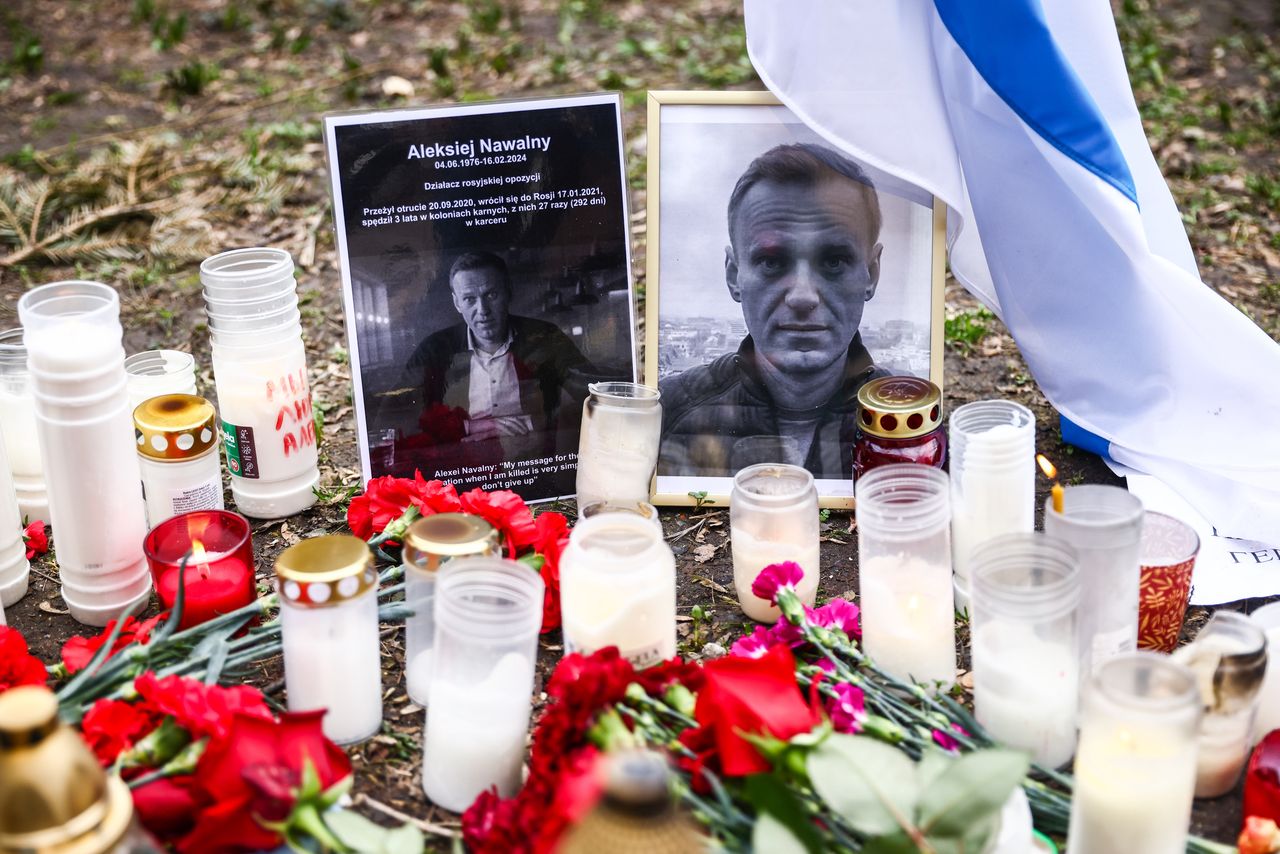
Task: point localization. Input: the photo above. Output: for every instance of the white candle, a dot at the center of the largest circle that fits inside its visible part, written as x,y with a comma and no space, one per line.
1268,719
14,569
1223,750
475,734
18,430
908,617
1025,690
618,444
752,554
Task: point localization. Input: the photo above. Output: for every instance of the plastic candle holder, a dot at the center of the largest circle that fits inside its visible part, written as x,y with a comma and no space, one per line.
219,573
18,427
773,518
618,447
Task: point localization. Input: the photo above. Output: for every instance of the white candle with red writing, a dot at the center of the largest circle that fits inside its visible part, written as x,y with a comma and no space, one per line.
260,370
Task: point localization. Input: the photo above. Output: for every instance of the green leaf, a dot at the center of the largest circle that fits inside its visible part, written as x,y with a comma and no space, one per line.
930,767
773,836
775,801
355,831
895,843
974,788
872,785
405,839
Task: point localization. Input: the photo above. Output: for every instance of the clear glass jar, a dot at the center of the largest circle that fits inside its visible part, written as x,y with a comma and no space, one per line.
899,421
153,373
14,568
329,630
1104,525
18,427
1026,660
904,572
1135,768
643,509
178,454
618,588
1229,658
618,444
73,337
260,369
429,543
993,482
488,612
773,518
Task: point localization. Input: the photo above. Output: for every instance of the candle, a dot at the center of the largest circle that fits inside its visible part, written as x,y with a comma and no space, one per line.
487,612
329,631
773,518
178,455
1135,765
904,569
18,427
618,588
14,569
153,373
618,442
219,576
1268,719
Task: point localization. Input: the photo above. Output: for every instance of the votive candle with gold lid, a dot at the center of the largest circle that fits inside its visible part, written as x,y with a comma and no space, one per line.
429,543
177,436
329,630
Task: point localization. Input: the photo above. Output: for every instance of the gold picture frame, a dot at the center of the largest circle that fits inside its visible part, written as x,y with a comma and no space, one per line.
929,228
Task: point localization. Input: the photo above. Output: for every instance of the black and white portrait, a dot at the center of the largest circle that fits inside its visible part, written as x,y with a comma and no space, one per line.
486,250
788,275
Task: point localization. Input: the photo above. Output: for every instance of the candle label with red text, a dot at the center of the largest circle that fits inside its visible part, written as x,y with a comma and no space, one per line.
242,453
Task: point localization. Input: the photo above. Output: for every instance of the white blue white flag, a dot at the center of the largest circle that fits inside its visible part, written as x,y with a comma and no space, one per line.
1021,118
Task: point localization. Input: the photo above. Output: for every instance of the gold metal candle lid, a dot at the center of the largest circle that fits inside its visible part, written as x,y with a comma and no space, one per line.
324,571
434,538
899,407
175,427
54,797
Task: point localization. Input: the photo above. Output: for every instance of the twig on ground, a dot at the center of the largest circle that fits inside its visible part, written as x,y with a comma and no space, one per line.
392,812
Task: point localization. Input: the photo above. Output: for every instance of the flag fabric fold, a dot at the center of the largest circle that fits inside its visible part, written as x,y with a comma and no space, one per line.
1021,119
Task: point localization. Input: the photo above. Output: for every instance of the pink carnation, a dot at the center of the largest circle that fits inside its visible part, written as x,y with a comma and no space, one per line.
837,614
946,740
754,645
775,577
847,709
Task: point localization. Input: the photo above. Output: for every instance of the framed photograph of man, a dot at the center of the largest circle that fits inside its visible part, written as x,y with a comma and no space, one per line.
485,262
783,274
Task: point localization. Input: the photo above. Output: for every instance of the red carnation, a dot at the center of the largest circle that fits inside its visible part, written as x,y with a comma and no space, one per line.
507,512
78,651
36,538
111,727
386,499
551,535
442,424
17,665
202,710
166,807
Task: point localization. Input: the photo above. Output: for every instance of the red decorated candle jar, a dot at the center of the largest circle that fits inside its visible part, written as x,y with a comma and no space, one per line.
219,573
899,421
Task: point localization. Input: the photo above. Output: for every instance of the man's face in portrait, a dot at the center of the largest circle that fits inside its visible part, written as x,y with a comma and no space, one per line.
803,262
483,299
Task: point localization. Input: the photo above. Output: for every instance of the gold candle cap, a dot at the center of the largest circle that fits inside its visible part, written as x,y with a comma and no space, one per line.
54,797
433,539
325,571
899,407
175,427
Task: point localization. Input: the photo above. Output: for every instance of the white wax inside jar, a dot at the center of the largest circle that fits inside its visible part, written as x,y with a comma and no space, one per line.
635,613
752,554
418,675
617,453
181,487
18,428
419,632
332,661
1269,698
272,397
475,734
990,498
14,568
1025,690
1133,792
1223,750
908,617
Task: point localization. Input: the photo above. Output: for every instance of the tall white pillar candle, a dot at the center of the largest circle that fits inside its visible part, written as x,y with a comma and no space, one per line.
1267,618
18,428
14,569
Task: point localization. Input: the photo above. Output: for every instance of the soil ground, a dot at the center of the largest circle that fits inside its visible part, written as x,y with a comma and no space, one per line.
165,130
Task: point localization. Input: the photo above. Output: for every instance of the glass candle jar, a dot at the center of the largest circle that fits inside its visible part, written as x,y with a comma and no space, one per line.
488,612
643,509
428,544
618,444
773,518
1104,525
18,427
260,369
14,568
1026,660
1229,658
1135,767
329,631
177,437
992,445
899,421
1267,618
618,588
904,572
73,338
153,373
219,576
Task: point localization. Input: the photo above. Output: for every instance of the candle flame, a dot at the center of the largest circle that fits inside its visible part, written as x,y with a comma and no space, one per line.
198,554
913,603
1049,469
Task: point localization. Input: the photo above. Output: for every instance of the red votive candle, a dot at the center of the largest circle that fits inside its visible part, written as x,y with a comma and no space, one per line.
219,574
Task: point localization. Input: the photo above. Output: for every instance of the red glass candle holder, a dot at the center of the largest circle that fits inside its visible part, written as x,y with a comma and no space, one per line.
219,573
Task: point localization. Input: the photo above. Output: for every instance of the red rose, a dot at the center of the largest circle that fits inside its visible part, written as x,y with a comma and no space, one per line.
202,710
17,665
551,535
442,424
36,538
507,512
658,677
78,651
253,771
111,727
759,696
166,807
385,500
